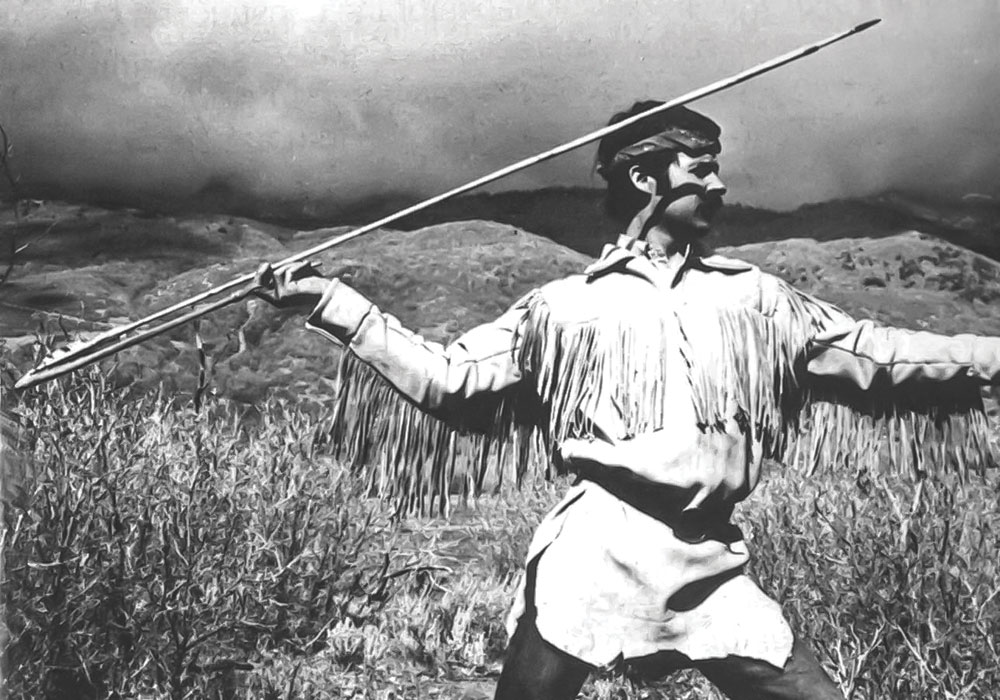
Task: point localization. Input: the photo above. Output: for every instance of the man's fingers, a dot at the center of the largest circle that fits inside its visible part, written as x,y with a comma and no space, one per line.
297,271
267,273
289,285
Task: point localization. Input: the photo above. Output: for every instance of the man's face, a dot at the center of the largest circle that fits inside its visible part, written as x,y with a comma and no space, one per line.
695,193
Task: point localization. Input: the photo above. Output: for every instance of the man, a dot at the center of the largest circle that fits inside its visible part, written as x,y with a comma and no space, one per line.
662,376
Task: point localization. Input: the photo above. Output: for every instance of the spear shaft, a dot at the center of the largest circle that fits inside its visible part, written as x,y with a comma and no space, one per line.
75,356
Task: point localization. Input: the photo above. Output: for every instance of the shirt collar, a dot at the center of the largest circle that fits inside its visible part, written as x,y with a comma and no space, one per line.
633,256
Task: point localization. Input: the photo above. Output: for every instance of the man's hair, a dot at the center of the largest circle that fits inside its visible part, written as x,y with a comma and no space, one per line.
622,199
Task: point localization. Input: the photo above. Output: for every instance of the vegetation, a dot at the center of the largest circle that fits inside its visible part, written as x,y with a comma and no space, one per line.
154,551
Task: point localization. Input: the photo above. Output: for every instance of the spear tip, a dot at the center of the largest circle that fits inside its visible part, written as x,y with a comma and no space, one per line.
867,25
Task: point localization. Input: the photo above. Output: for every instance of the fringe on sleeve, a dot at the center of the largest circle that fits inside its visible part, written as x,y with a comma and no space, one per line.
850,432
419,461
833,425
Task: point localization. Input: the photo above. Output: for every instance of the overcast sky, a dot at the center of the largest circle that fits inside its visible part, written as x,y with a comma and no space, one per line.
339,100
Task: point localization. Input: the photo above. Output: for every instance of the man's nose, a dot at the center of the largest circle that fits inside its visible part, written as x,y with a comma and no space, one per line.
715,185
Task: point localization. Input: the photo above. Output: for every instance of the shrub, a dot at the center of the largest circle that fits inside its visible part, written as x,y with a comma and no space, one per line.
157,552
894,583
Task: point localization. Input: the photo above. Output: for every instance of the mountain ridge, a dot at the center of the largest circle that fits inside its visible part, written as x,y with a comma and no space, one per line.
87,268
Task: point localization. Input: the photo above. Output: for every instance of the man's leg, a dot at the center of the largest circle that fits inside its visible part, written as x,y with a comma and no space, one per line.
534,669
802,678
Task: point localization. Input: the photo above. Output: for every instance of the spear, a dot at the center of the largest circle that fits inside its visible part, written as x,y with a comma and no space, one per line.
82,353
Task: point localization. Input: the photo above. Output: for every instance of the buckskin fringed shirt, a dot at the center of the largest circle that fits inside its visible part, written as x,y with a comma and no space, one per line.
676,382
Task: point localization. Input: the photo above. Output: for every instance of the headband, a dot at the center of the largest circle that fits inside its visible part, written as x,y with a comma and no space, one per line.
672,139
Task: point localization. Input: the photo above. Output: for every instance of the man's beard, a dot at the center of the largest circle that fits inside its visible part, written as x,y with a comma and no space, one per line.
698,235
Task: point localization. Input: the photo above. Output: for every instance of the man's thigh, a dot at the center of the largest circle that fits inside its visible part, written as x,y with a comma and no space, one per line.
802,677
534,669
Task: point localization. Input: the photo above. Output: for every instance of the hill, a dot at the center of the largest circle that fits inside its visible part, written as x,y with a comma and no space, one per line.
575,217
86,268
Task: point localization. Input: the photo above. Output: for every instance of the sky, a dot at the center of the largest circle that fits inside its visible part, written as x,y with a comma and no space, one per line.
326,104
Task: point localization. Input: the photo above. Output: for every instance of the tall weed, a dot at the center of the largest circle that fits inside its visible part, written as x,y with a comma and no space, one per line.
895,583
156,551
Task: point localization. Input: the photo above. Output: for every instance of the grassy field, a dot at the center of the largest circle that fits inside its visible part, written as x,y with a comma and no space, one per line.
155,551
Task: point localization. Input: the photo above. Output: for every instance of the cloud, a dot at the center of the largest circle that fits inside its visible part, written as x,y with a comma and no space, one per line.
321,105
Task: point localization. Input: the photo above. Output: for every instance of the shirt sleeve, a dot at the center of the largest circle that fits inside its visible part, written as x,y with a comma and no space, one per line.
879,396
868,355
437,379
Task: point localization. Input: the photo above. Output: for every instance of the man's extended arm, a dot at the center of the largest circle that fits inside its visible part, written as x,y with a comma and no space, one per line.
868,356
437,379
